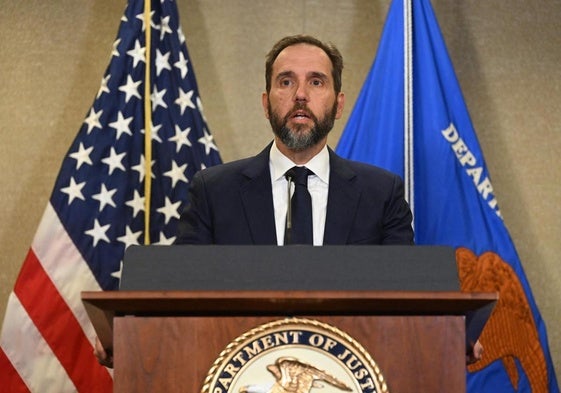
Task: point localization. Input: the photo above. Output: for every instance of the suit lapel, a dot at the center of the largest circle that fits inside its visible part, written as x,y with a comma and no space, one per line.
342,201
257,198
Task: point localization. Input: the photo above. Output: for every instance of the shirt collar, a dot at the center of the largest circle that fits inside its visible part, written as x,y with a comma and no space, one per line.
279,164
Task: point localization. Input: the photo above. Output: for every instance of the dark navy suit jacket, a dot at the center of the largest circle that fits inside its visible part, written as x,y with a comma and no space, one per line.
233,204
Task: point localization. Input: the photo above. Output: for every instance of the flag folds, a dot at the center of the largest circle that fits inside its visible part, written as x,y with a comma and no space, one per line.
435,148
101,201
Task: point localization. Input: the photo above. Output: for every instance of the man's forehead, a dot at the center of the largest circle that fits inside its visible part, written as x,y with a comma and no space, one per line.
302,57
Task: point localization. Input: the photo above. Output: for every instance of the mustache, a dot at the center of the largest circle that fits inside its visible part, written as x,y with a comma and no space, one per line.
300,107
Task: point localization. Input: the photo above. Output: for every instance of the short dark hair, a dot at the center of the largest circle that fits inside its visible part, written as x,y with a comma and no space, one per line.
330,49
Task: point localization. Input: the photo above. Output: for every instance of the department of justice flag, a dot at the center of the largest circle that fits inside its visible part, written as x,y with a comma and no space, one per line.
410,118
98,205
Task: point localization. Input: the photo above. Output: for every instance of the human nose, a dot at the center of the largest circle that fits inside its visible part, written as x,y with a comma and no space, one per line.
301,93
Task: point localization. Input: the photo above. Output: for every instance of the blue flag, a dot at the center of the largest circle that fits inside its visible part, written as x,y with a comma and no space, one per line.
410,118
101,202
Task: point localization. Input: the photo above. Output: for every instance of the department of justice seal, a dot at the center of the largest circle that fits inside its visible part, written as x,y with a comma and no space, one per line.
294,355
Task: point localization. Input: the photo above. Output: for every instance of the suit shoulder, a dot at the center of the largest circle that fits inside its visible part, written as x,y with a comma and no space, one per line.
227,168
368,170
235,171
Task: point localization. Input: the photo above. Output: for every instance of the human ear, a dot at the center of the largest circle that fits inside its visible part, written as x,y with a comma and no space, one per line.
265,103
340,105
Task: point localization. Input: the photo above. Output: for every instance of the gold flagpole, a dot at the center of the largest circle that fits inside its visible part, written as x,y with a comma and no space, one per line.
147,124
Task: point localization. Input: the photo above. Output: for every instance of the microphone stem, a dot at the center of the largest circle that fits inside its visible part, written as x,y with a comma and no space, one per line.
288,227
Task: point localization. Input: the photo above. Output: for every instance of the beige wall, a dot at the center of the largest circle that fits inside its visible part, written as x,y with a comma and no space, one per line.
507,55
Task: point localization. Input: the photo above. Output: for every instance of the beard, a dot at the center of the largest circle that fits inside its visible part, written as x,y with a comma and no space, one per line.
296,138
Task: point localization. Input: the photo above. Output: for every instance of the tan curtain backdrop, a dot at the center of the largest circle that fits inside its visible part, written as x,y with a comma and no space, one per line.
507,56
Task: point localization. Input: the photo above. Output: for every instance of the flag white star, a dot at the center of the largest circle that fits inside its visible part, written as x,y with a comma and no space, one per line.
129,238
176,173
182,64
82,156
141,17
170,210
162,62
200,107
114,160
164,241
105,197
138,53
165,27
181,35
121,125
98,232
74,190
207,140
93,119
181,138
130,89
141,169
115,51
184,100
117,274
158,98
137,202
103,88
154,131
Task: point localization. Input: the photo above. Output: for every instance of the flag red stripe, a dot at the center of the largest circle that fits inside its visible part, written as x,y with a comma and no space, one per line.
41,300
10,381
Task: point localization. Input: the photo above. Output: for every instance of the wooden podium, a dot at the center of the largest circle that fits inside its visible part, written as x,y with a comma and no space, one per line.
167,341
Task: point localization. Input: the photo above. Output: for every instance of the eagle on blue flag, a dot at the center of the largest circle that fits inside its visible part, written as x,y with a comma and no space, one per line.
410,118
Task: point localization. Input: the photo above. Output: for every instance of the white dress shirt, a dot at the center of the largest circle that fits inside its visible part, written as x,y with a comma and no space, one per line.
318,186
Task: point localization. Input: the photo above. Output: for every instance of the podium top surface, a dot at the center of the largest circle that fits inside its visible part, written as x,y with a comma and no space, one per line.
344,268
201,303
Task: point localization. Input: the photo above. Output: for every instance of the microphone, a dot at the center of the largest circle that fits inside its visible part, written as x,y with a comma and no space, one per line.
289,175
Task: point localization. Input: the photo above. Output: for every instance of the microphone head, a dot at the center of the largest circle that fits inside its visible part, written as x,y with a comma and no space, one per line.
290,175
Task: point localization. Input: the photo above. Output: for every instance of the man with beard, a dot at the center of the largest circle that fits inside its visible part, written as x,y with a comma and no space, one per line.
247,201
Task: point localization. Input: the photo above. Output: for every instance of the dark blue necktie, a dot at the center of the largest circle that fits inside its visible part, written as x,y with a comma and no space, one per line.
299,224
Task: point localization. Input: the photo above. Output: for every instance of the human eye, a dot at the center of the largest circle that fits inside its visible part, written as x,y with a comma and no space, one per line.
285,82
317,79
317,82
285,79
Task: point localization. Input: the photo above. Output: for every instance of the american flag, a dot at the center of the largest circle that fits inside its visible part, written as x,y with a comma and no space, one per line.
97,207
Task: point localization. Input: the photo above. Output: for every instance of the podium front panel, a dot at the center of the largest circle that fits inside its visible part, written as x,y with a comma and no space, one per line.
174,354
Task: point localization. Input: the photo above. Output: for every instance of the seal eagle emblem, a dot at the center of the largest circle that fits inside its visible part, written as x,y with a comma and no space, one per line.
294,355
